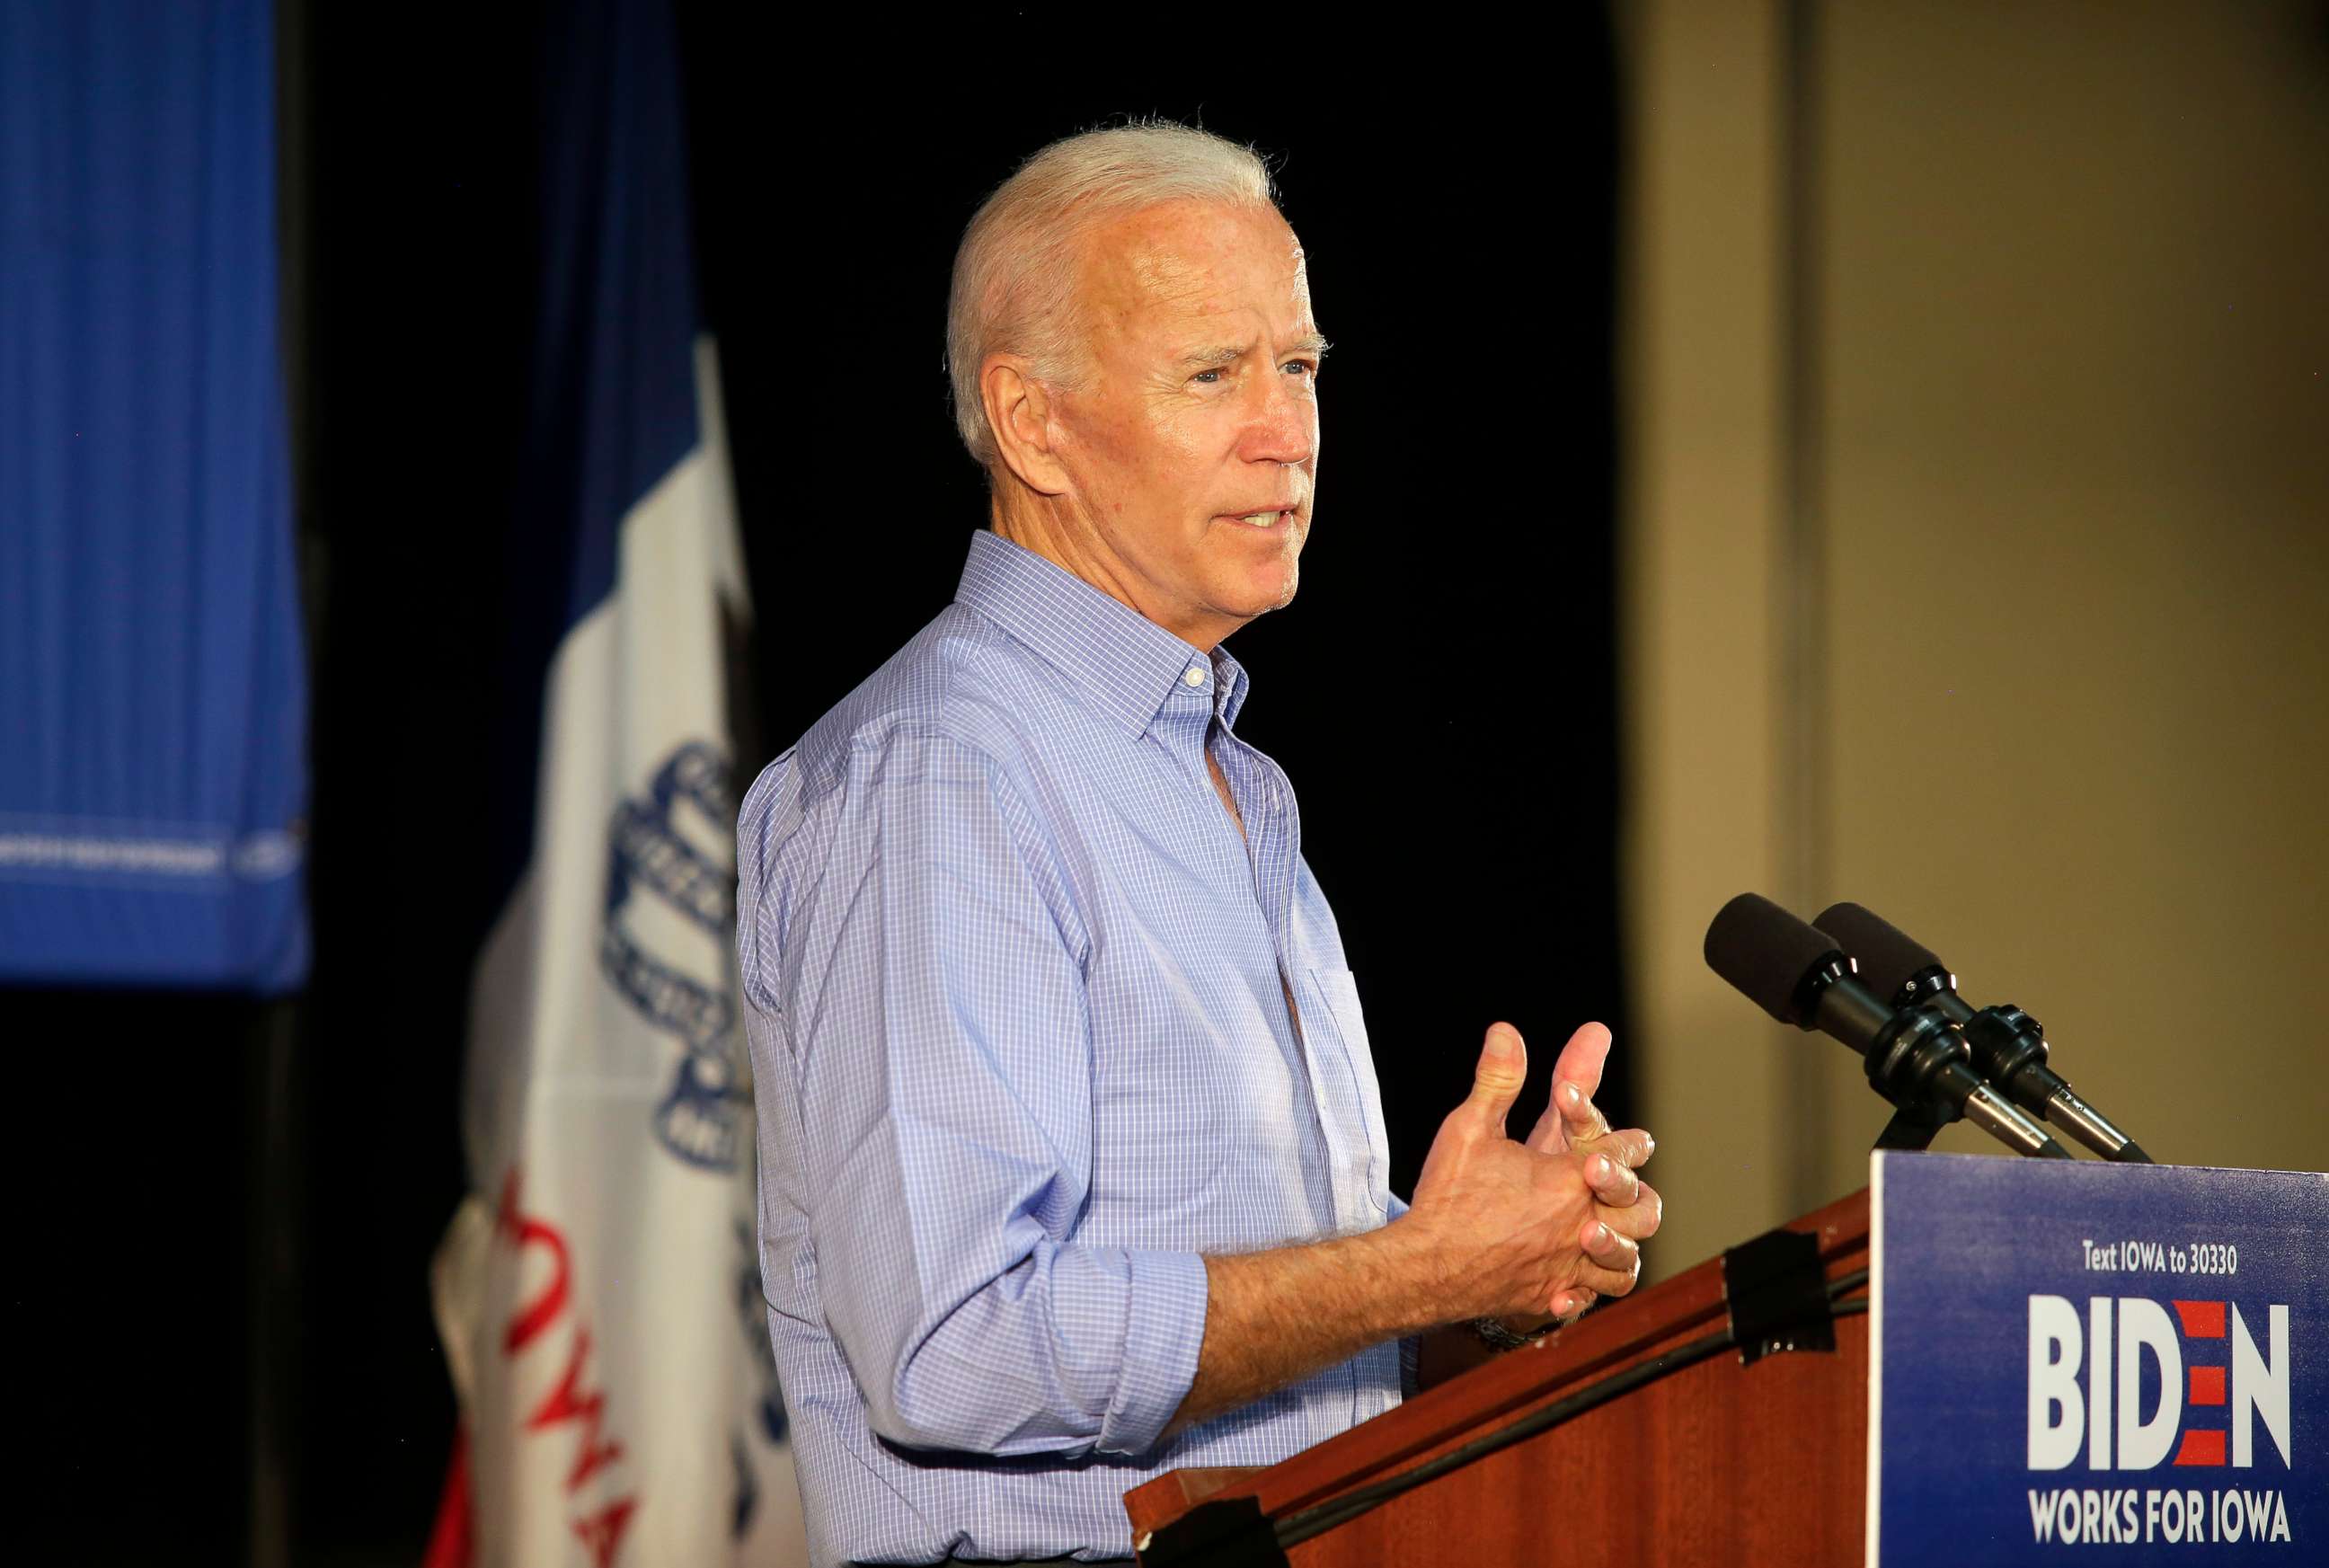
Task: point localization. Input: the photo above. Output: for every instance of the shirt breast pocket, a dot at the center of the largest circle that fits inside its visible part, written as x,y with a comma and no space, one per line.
1342,992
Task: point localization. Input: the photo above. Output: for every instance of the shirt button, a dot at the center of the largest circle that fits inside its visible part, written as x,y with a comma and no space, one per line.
1193,675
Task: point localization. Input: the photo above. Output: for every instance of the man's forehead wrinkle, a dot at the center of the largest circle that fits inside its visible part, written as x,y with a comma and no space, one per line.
1157,268
1185,282
1175,283
1138,275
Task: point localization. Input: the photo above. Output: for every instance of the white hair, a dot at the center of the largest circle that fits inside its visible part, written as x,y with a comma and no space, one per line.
1014,273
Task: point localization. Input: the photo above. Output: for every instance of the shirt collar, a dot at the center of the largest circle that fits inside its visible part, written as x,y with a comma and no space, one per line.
1127,663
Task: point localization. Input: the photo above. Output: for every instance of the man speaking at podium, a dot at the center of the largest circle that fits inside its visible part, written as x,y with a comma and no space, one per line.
1072,1155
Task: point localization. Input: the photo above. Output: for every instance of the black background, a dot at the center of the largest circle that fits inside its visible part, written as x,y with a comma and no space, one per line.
226,1209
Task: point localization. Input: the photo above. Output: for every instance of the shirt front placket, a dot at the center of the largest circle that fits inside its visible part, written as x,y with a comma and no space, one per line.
1272,845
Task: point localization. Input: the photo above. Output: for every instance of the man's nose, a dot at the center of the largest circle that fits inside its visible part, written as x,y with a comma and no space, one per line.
1284,427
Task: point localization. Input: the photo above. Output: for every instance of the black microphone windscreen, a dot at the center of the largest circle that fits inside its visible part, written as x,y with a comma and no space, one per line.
1765,952
1889,956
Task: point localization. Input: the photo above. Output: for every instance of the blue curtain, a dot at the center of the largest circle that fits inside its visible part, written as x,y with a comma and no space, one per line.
153,703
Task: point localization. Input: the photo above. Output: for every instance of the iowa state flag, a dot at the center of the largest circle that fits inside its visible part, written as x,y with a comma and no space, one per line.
598,1291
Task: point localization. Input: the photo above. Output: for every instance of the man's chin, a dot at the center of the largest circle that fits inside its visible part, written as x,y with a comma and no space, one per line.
1252,587
1265,593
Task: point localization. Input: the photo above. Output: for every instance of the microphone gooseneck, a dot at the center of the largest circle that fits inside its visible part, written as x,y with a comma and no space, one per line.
2008,1047
1915,1057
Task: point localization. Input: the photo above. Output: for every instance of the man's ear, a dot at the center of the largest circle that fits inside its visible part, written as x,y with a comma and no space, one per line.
1020,411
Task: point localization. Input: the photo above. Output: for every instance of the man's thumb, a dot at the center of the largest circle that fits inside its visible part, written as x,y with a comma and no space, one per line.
1496,1081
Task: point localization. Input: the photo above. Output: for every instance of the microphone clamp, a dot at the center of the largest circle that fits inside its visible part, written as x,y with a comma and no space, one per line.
1917,1060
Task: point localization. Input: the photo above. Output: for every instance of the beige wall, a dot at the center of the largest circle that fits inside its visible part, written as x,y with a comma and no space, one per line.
2036,659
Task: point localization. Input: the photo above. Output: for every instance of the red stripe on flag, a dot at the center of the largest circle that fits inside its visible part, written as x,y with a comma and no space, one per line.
452,1544
2202,1447
2207,1386
2201,1319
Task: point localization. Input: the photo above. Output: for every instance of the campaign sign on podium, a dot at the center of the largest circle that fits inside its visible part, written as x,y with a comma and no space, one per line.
2097,1362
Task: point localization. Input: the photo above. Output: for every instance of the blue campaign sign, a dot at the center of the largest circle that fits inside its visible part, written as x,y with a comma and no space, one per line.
2129,1362
153,685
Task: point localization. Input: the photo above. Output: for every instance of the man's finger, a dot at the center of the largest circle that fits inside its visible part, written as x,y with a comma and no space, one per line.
1569,1114
1496,1080
1613,1182
1612,1261
1610,1282
1572,1301
1631,1146
1581,1118
1580,1060
1552,1133
1639,1219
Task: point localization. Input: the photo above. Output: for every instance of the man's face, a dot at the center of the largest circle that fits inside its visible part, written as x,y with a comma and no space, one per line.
1199,411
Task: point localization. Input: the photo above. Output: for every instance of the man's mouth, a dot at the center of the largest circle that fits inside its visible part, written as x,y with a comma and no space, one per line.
1260,519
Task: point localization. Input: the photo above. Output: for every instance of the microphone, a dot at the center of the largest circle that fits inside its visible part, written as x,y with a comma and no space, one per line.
2009,1046
1914,1058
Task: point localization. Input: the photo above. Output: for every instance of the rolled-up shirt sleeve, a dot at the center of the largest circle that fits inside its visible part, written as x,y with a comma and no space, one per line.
934,1004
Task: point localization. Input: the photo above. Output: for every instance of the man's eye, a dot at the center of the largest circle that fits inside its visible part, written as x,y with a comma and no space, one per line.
1308,367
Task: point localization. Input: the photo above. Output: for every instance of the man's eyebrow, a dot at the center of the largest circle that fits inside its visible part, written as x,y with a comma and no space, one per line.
1211,358
1313,343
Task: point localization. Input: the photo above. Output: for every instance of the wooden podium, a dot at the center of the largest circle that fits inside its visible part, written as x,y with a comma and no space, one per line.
1678,1453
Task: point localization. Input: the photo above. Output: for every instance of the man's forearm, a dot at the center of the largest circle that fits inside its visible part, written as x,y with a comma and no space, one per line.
1274,1317
1512,1228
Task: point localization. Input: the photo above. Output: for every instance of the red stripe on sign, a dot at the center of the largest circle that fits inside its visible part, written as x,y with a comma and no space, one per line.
2207,1386
2201,1319
2202,1447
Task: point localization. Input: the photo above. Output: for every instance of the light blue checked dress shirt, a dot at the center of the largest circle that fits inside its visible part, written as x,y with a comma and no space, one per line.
1017,994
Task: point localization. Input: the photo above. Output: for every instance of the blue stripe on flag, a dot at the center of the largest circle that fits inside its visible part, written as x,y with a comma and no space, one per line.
613,388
